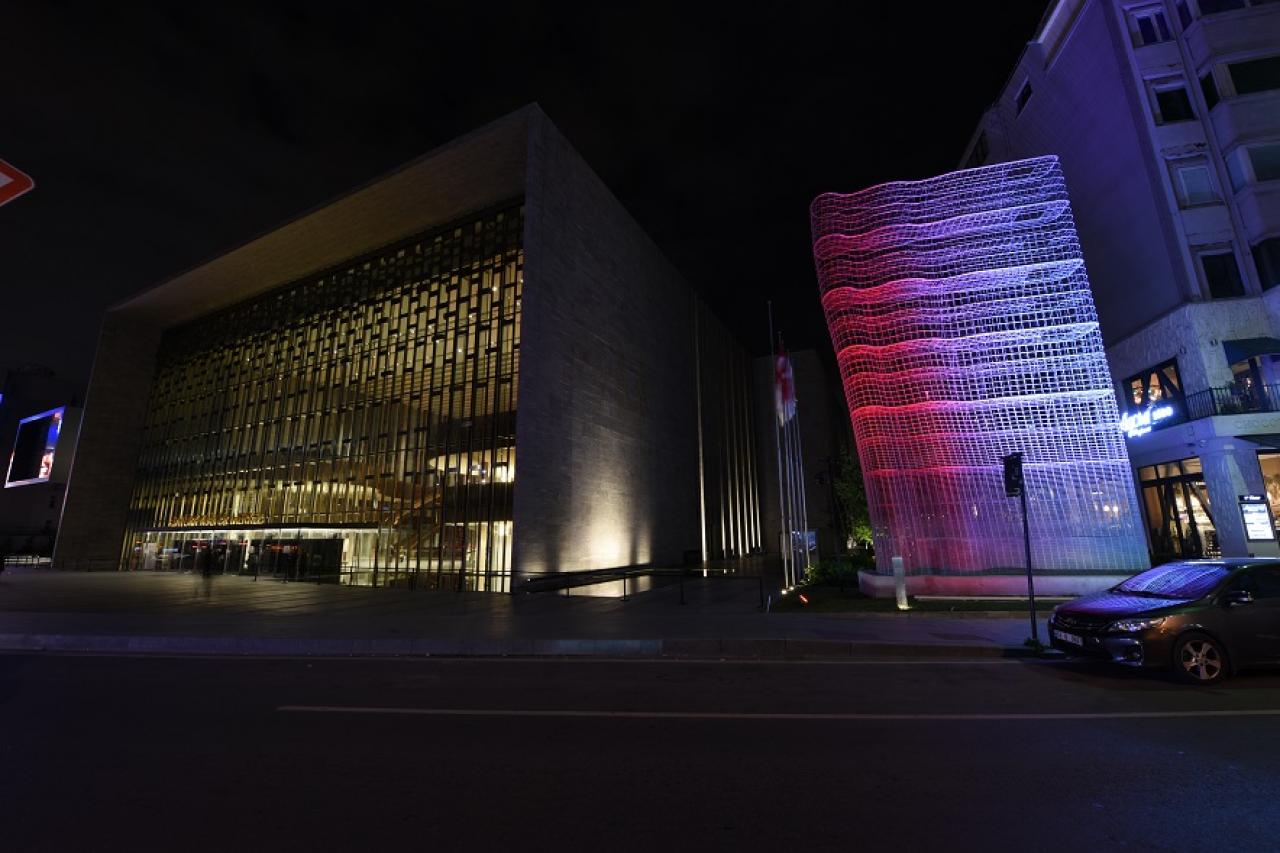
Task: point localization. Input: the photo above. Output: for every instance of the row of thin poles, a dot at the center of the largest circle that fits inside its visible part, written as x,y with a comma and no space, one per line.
792,504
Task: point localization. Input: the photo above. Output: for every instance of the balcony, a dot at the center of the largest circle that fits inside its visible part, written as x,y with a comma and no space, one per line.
1233,400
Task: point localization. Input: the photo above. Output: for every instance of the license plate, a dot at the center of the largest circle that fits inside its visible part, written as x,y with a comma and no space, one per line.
1073,639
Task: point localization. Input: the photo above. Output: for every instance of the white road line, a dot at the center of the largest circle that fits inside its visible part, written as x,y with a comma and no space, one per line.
730,715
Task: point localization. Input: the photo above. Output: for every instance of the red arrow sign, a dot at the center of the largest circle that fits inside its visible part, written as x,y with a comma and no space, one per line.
13,183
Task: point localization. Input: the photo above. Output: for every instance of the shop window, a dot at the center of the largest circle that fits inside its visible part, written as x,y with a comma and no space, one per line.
1222,274
1178,515
1269,462
1255,75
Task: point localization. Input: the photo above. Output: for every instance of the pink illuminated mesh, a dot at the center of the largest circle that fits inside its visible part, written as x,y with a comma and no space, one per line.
965,329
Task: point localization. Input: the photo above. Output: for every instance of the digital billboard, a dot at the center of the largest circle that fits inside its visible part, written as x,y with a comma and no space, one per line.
33,449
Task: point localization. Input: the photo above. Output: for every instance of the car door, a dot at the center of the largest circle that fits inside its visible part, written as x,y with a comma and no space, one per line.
1255,627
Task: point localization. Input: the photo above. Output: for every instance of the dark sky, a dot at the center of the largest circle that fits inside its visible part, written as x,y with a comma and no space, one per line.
161,138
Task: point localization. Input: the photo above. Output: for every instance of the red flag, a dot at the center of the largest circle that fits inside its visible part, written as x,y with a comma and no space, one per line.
784,388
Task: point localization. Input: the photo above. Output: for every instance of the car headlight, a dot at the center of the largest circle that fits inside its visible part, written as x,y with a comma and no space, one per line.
1132,626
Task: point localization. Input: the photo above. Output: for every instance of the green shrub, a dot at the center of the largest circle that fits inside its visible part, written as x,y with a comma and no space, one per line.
833,571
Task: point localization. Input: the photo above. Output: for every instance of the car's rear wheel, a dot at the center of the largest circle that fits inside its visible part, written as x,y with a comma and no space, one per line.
1199,659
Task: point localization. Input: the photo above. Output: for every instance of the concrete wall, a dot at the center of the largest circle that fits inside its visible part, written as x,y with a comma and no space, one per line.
606,421
91,531
730,479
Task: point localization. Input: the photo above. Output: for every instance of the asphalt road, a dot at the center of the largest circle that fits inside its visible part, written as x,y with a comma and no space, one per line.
177,754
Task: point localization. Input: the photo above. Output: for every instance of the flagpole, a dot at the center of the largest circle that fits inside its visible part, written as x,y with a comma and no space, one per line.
804,499
794,481
777,445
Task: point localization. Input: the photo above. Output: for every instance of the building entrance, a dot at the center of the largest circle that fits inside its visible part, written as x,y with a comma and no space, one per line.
1179,518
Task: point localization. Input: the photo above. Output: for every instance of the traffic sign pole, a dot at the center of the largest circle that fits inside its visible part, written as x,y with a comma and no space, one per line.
1015,485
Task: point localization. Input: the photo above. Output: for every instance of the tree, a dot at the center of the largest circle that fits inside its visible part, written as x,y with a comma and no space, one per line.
851,495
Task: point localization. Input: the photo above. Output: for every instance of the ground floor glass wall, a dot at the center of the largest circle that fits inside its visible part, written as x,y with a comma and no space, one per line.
1176,503
476,556
357,426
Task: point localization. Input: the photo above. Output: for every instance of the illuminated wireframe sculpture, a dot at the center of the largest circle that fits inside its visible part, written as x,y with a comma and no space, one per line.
965,329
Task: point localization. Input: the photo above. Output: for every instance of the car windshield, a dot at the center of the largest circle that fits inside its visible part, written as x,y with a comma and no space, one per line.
1176,580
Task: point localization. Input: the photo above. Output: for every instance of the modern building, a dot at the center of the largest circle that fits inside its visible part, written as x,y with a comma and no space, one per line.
470,372
1166,118
965,331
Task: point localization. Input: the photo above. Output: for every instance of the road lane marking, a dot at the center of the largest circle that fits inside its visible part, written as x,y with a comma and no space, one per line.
732,715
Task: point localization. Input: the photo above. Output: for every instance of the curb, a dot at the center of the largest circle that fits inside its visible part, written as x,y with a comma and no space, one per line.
724,648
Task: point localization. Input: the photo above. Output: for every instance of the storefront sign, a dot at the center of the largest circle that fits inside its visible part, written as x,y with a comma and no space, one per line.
1137,424
1258,526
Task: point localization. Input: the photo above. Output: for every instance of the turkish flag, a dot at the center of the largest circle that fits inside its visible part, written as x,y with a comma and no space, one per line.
784,388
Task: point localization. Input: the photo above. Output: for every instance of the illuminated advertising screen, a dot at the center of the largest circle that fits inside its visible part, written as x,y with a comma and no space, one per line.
33,449
1257,518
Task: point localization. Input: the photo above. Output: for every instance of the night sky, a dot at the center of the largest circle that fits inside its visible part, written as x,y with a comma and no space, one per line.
160,139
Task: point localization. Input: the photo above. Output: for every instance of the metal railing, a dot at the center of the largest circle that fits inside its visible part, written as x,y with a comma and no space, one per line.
1233,400
567,581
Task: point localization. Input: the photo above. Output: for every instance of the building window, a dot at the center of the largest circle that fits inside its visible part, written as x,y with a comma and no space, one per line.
1156,386
1222,274
1173,104
1179,518
1194,185
1269,462
1212,7
1255,75
1210,89
1184,13
1265,160
1266,257
1024,95
1150,27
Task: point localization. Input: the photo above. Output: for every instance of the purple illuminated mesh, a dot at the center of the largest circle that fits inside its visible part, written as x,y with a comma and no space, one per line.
964,328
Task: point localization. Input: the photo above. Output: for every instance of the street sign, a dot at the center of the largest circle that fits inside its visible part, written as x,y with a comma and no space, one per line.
1015,487
13,183
1013,475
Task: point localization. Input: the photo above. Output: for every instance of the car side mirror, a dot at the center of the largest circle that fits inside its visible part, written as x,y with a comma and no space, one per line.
1237,597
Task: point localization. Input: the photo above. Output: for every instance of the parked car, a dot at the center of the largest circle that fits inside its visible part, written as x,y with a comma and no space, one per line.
1203,618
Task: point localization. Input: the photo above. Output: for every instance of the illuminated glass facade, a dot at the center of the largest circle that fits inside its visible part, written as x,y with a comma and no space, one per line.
356,426
965,330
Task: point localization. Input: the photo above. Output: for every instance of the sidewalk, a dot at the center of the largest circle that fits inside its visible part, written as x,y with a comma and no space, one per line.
43,610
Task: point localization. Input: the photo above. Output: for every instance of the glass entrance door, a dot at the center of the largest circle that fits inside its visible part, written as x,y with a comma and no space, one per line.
1179,519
